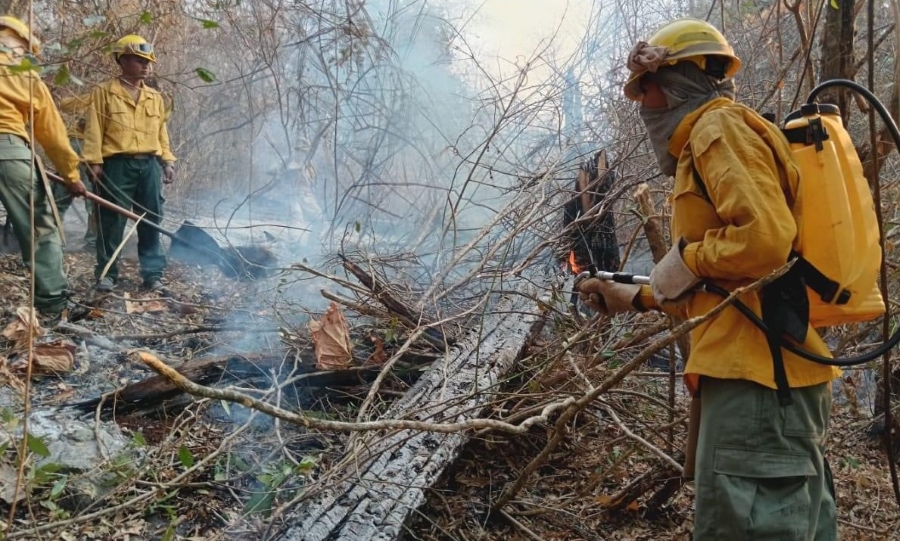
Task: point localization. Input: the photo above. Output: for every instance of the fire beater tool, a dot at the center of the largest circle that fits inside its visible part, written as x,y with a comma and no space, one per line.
192,244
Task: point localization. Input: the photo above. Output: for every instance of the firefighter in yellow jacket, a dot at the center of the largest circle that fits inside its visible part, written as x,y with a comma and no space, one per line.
127,146
760,468
26,100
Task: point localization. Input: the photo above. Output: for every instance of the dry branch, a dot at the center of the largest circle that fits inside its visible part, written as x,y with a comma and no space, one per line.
434,336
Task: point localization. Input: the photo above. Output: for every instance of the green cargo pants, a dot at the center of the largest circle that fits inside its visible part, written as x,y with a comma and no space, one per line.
64,198
136,184
17,180
760,471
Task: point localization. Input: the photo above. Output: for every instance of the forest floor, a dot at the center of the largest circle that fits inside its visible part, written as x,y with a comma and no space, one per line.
209,470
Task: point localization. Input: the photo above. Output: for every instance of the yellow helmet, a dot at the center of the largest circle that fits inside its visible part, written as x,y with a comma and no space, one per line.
687,39
133,44
21,29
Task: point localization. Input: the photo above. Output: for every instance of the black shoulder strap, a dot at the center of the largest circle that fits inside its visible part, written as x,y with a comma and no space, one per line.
772,317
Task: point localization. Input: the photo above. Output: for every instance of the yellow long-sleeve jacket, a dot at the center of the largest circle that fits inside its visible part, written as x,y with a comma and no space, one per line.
19,91
739,231
74,109
116,124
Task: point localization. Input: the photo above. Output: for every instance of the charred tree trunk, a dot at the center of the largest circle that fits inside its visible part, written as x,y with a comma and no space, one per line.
837,54
375,493
593,243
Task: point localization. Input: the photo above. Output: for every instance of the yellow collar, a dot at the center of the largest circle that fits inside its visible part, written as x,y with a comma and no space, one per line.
682,133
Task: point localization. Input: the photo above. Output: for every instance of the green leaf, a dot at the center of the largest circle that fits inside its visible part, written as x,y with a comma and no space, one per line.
169,534
260,502
146,17
834,5
46,473
356,226
93,20
97,34
208,24
306,465
37,446
59,486
185,456
139,439
205,75
28,63
62,75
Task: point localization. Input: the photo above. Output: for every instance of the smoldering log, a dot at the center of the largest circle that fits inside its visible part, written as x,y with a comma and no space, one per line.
156,392
379,491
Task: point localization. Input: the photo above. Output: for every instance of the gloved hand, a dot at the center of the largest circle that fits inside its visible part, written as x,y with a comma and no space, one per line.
608,297
671,280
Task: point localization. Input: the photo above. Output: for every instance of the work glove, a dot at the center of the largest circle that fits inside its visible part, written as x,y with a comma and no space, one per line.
168,173
608,297
671,280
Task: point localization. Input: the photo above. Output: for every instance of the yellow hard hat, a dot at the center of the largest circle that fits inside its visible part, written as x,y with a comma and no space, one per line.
687,39
133,44
21,29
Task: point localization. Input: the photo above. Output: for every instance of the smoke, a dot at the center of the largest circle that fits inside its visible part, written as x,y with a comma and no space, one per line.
383,128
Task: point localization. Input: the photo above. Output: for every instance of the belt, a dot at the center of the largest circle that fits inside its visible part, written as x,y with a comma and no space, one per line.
123,156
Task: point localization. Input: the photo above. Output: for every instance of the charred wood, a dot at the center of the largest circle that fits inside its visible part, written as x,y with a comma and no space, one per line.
153,393
379,486
382,293
662,474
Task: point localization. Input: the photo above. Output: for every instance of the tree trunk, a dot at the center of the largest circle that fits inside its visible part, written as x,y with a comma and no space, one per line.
837,54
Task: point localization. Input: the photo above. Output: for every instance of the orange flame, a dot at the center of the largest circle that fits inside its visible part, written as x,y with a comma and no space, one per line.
573,265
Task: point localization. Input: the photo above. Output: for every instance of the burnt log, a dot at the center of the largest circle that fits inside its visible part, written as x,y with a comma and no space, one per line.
156,392
378,487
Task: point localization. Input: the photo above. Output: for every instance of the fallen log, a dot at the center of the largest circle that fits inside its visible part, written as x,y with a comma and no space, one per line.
373,491
152,393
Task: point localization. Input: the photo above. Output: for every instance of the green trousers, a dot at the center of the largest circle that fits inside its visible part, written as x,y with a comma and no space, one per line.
17,180
760,473
64,198
135,184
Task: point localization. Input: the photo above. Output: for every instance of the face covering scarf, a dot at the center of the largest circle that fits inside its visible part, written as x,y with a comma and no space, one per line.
686,88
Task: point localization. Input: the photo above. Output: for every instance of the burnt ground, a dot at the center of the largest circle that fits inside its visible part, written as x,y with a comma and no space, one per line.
215,471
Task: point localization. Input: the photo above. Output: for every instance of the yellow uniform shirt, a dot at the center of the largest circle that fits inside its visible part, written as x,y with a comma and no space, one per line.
19,91
738,232
117,124
73,109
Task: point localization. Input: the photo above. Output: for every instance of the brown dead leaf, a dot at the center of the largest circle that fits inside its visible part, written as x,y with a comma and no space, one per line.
8,378
8,492
378,357
151,306
331,337
51,358
17,330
